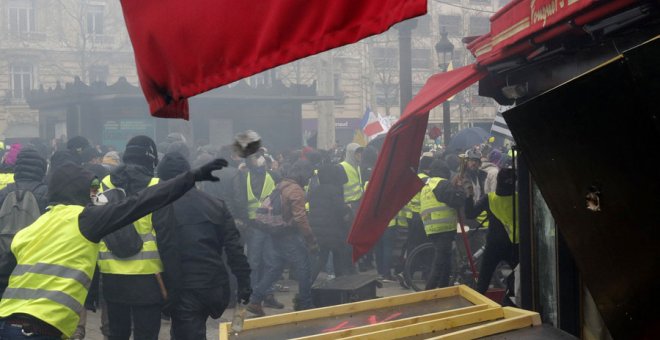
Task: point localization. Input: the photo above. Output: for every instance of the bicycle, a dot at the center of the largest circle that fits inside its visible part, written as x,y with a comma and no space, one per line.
418,264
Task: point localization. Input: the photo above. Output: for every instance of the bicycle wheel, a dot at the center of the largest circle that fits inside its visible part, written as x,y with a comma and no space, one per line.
418,266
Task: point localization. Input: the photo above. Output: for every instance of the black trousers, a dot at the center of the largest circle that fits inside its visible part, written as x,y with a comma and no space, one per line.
498,248
193,308
144,319
441,267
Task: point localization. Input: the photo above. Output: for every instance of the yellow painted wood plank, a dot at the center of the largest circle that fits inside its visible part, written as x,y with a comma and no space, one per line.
429,327
350,308
511,312
393,324
490,328
474,297
224,330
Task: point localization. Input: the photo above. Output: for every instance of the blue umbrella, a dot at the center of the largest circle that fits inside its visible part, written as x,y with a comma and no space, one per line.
467,138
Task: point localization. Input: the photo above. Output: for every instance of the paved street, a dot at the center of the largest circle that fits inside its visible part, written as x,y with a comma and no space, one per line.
94,319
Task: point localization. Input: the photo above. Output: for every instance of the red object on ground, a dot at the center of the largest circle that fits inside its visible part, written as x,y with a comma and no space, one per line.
183,48
394,181
468,250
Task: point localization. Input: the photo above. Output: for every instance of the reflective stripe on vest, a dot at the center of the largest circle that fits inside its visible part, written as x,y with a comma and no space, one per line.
352,188
437,216
502,208
483,219
254,203
147,261
55,264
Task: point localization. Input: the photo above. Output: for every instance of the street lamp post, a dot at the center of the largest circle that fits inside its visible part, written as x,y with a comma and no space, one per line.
445,50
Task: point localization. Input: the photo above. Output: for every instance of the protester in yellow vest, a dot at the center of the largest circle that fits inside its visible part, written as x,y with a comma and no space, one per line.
57,254
502,239
439,200
130,285
251,190
353,188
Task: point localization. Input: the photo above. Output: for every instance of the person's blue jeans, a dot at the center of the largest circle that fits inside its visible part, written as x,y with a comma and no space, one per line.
289,248
383,251
12,332
259,246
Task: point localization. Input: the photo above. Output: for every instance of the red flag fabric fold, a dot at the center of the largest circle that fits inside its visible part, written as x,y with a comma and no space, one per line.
183,48
394,180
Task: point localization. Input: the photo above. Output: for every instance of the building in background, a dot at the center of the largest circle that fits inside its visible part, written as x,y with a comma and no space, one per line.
49,42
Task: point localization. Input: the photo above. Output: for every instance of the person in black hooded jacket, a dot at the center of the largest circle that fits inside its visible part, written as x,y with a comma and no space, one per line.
29,173
328,217
192,234
132,298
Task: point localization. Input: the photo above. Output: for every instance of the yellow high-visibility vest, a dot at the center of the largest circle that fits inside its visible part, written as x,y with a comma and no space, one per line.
352,188
437,216
502,208
147,261
55,265
5,179
253,201
414,206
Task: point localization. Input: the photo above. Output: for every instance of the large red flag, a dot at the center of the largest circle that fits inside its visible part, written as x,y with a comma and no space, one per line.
394,180
183,48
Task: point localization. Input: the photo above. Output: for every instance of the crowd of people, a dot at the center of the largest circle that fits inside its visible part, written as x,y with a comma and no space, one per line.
188,239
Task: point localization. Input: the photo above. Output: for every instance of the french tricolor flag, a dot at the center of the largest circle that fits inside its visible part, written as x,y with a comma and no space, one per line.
371,125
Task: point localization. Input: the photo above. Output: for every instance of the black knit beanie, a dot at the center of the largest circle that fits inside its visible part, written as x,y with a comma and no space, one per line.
141,150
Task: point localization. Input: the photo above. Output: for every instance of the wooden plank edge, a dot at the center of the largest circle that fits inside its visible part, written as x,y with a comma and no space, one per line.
474,297
393,324
432,326
491,328
355,307
510,312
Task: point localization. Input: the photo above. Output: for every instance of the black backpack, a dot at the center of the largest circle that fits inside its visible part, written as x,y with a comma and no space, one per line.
19,210
124,242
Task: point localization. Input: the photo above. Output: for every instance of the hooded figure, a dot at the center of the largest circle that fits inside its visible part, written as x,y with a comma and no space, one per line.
328,217
30,172
354,185
193,233
129,286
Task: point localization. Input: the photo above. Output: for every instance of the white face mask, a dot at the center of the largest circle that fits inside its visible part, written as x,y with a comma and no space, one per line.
99,199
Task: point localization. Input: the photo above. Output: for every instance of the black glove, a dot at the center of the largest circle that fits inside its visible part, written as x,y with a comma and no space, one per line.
244,294
205,172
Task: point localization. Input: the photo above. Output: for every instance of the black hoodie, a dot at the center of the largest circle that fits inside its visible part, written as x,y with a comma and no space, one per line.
192,234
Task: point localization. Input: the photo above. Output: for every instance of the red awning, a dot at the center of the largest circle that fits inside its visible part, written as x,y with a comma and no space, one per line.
522,26
184,48
394,180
